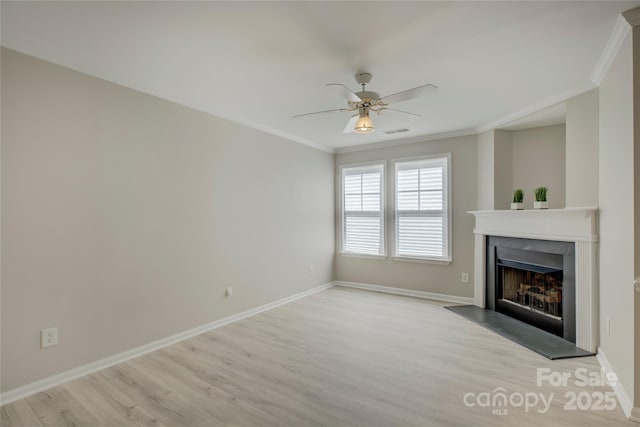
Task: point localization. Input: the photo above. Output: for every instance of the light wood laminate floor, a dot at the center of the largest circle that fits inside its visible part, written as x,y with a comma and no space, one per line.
339,357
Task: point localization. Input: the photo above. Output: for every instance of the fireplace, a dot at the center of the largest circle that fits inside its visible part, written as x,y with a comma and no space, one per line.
533,281
576,227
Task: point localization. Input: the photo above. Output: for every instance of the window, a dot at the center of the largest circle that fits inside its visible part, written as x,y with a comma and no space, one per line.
362,210
422,209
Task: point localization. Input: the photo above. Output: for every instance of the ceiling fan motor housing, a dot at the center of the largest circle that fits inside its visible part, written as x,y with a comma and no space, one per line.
363,78
367,99
366,95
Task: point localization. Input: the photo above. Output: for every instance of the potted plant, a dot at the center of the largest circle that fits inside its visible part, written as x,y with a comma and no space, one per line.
518,197
541,198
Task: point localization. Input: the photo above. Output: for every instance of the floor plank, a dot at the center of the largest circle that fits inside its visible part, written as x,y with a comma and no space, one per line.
57,407
337,358
19,414
108,404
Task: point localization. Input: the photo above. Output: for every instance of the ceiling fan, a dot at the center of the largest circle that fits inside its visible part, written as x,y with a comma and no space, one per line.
366,101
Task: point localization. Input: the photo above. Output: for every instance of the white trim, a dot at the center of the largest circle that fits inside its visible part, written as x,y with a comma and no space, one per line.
255,126
443,261
63,377
406,141
630,412
405,292
357,255
479,270
363,165
577,223
546,103
610,51
632,16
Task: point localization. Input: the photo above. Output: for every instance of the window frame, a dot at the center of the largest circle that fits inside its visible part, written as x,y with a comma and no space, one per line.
448,257
383,209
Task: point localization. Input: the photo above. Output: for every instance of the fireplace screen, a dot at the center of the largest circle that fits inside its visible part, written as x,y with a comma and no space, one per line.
530,286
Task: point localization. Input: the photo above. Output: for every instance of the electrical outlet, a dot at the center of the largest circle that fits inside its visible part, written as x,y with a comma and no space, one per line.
48,337
310,270
608,326
465,278
228,292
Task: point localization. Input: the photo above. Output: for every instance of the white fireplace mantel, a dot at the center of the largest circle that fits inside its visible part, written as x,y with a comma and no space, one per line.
578,225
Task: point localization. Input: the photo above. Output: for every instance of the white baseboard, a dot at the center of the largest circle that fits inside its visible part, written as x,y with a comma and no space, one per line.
626,404
406,292
63,377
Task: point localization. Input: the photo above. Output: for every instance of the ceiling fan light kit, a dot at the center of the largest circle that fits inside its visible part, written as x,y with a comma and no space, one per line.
364,123
366,101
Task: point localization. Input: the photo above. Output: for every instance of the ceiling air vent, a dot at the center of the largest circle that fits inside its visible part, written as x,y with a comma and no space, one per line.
391,132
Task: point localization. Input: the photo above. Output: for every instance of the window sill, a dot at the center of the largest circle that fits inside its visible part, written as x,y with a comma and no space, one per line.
368,256
423,260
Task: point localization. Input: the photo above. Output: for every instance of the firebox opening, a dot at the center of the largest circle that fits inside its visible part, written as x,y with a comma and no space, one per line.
533,281
534,287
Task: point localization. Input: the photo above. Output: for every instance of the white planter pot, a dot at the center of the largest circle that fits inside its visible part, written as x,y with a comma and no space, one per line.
540,205
517,206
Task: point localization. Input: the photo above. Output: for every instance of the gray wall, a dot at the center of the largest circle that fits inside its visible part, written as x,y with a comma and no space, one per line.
124,218
486,170
503,169
539,160
582,150
526,159
443,279
616,200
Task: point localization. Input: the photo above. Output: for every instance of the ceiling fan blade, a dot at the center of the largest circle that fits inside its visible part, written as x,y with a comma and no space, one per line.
345,92
405,95
351,124
382,112
337,110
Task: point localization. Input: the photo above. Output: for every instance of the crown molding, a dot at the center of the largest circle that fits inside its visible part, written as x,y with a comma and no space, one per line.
632,16
406,141
612,47
217,114
624,23
273,131
549,102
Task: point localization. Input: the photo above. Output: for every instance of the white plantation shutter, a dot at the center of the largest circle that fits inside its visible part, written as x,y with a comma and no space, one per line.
422,208
363,218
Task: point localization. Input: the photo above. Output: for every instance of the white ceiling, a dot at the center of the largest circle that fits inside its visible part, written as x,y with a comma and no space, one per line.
259,63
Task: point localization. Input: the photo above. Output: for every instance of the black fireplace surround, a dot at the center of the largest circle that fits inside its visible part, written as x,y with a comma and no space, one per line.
533,281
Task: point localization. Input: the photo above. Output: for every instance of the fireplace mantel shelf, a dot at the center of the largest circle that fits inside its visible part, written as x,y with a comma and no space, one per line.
569,224
506,212
578,225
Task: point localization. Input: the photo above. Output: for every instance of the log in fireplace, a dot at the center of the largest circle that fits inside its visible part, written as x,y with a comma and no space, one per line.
533,281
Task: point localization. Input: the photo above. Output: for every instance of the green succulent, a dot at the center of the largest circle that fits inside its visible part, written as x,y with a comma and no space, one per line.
518,196
541,194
